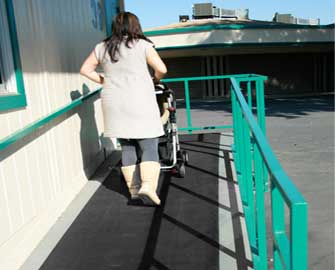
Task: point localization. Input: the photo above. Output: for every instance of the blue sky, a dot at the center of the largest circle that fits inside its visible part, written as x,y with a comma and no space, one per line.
161,12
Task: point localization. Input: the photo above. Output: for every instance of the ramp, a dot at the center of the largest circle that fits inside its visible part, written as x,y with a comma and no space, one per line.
198,226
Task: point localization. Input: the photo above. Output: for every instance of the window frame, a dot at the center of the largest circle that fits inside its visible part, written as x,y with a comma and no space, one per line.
17,99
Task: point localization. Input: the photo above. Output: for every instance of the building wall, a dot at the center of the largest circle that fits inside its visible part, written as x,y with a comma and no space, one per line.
41,174
185,67
288,73
296,58
239,34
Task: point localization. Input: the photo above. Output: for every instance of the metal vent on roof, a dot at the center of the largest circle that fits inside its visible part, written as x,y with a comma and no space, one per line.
235,13
207,10
216,12
284,18
204,10
308,21
288,18
227,12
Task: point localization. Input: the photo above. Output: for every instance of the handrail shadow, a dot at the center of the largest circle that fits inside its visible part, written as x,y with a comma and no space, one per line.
148,258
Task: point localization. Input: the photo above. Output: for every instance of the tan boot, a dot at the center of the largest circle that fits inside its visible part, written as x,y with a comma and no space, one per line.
150,171
132,177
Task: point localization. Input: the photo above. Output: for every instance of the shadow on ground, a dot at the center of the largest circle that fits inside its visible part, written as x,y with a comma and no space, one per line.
289,107
180,234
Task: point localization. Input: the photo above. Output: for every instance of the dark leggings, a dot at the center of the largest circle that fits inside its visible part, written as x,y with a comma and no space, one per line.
145,149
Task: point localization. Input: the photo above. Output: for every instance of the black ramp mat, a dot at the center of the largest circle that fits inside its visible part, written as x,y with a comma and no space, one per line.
181,234
188,236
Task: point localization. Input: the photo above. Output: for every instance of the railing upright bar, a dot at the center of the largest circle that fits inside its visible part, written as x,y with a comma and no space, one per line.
278,228
188,106
261,121
299,236
260,213
236,133
242,165
277,261
249,94
248,181
260,104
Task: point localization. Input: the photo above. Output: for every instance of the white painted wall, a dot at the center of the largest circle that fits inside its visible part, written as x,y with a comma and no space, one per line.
40,175
240,36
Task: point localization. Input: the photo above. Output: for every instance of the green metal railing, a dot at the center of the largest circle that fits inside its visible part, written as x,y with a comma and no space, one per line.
253,157
254,162
189,128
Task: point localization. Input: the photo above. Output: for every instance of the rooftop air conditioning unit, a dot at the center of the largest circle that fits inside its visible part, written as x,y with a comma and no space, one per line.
204,10
308,21
284,18
227,13
236,13
216,12
242,13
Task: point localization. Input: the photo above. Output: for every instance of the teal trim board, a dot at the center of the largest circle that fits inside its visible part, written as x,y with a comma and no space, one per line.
234,27
249,44
18,100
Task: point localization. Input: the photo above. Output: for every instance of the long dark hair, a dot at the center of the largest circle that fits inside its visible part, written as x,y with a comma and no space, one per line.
126,26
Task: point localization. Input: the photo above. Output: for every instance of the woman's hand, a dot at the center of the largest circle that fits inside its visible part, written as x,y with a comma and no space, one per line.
154,61
88,69
155,80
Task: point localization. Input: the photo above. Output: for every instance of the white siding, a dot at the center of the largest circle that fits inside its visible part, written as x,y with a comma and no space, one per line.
41,174
243,36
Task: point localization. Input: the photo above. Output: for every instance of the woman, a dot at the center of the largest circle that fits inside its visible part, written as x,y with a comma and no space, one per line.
129,105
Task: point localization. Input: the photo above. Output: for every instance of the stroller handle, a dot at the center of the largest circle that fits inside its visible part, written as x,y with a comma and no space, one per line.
161,88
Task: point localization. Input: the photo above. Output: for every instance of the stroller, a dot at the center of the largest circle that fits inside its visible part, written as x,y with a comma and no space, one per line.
170,155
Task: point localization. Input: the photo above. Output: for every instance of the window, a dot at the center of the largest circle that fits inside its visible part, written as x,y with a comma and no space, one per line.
12,94
2,82
7,71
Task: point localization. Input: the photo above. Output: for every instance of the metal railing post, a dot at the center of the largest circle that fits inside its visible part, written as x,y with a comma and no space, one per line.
299,236
188,106
278,229
260,212
249,92
261,120
248,181
241,154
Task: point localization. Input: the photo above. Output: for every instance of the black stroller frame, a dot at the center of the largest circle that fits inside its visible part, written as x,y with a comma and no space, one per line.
172,158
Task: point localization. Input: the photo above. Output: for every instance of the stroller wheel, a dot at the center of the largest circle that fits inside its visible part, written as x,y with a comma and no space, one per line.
181,170
185,157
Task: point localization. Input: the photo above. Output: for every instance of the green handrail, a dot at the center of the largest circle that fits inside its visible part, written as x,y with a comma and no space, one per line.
251,153
25,131
242,77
